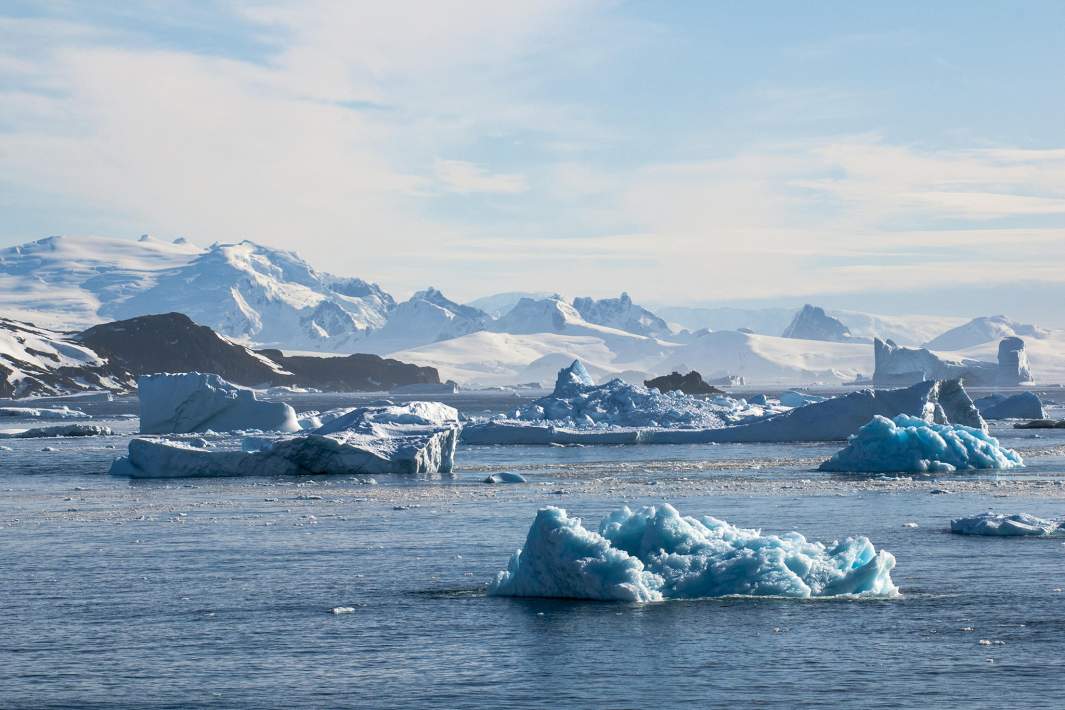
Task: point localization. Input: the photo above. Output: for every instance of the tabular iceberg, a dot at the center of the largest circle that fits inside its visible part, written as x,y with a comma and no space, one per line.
655,553
188,402
1000,525
909,444
419,437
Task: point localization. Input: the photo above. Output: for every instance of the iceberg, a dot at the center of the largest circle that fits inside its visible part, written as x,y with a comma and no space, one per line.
1000,525
793,399
416,438
896,365
909,444
1025,405
43,413
46,432
188,402
836,419
655,553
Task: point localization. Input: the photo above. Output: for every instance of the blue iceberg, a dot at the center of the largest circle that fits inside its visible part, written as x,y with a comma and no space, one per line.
1000,525
655,553
912,445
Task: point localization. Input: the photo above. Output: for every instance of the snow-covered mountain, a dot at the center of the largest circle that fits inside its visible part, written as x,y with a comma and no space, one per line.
427,317
623,314
498,304
243,291
904,329
812,323
38,361
983,330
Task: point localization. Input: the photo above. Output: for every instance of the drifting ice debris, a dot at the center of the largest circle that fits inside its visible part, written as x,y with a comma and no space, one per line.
194,401
419,437
837,418
1000,525
909,444
655,553
45,432
1025,405
799,399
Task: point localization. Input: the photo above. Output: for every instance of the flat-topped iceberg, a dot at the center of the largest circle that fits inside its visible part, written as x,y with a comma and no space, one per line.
43,413
416,438
655,553
909,444
46,432
1000,525
180,403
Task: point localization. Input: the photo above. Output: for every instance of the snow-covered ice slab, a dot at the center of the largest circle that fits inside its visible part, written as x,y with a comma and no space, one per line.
417,438
1000,525
180,403
45,432
655,553
912,445
43,413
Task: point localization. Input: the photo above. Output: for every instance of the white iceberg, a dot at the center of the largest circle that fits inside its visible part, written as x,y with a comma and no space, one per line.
46,432
1000,525
417,438
655,553
194,401
792,398
909,444
43,413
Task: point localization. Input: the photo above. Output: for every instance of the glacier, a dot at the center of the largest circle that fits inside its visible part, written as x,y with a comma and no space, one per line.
416,438
910,444
655,553
180,403
1002,525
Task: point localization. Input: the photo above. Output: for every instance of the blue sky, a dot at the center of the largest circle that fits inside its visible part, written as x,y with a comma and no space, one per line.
686,152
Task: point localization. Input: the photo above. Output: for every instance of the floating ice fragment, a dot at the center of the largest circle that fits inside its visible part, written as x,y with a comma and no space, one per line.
506,477
655,553
1001,525
909,444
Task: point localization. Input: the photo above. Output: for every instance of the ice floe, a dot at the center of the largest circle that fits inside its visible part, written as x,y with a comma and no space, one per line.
45,432
1001,525
910,444
655,553
179,403
43,413
416,438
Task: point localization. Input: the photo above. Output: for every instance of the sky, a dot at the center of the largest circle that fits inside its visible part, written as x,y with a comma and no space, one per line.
907,155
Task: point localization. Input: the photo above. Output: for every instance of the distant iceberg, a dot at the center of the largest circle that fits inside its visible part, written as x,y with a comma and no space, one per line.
62,430
655,553
1000,525
181,403
910,444
43,413
1025,405
416,438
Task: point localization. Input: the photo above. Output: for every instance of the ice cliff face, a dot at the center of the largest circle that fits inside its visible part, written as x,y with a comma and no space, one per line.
895,365
655,553
812,323
623,314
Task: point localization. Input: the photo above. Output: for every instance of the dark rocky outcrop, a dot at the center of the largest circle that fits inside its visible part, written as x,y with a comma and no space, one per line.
172,342
351,373
692,383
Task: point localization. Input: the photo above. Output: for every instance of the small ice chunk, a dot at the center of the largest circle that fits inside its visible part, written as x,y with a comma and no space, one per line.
1001,525
506,477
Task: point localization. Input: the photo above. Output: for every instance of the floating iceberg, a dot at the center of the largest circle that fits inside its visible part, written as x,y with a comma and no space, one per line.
909,444
43,413
579,411
195,401
415,438
837,418
46,432
1025,405
655,553
792,398
999,525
